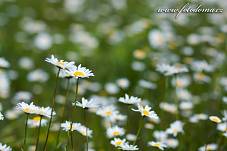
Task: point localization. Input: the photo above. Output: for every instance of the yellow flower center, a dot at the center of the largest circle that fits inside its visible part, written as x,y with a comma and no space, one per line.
79,74
157,145
145,112
118,143
37,118
200,76
61,63
108,113
26,110
116,133
179,83
215,119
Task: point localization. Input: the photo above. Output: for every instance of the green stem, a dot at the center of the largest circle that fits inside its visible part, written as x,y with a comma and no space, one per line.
63,113
53,105
71,136
85,122
25,130
37,140
139,130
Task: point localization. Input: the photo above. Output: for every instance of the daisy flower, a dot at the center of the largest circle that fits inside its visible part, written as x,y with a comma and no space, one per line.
4,147
208,147
80,72
169,70
59,63
1,116
34,122
65,74
146,111
69,126
117,142
115,131
129,99
127,146
159,145
44,111
175,128
27,108
86,104
4,63
215,119
83,130
106,111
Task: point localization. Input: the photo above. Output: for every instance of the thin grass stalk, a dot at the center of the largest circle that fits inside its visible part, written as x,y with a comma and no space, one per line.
53,105
139,130
37,140
85,123
63,112
25,130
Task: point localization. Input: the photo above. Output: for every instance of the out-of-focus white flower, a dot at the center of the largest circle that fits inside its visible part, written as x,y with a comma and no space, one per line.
171,108
35,121
197,117
73,6
4,147
13,113
186,105
171,142
208,147
115,131
201,77
160,135
127,146
27,108
111,88
181,82
1,116
38,75
175,128
4,63
5,84
23,96
183,94
80,72
200,66
149,126
147,84
169,70
146,111
43,41
26,63
80,36
59,63
117,142
87,104
224,99
131,137
215,119
138,66
106,111
123,83
222,127
156,39
159,145
129,99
